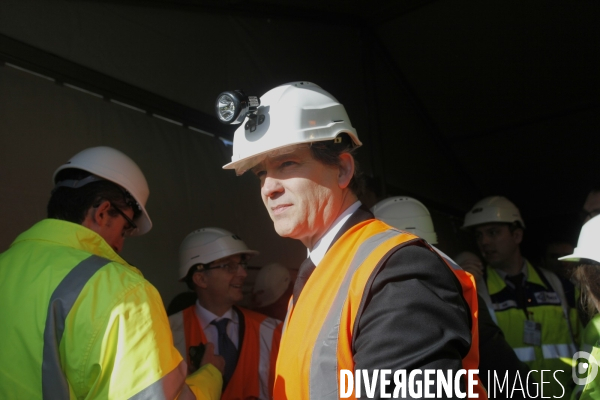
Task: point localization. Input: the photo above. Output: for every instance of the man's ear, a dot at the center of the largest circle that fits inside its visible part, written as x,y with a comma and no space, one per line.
200,280
346,170
517,235
97,216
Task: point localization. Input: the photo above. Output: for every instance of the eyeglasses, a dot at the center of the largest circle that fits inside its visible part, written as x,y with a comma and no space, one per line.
231,267
131,227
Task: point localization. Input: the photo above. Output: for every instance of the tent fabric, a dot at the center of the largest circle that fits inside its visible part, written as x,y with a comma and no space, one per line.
43,125
453,102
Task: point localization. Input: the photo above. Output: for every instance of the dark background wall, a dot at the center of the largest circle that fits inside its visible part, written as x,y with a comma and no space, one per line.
454,101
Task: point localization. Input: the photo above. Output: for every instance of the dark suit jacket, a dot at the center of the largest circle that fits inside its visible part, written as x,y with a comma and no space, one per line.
414,315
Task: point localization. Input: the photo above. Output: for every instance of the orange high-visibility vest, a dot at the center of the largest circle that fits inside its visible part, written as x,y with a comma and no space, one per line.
252,379
319,328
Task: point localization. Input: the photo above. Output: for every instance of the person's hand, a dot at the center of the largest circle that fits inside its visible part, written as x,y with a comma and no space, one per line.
474,268
470,263
210,357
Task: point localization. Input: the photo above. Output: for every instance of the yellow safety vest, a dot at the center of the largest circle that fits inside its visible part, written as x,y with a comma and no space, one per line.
79,322
590,343
556,347
318,332
591,390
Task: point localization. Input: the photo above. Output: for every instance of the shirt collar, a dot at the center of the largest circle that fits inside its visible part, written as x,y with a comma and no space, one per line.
524,271
318,252
206,317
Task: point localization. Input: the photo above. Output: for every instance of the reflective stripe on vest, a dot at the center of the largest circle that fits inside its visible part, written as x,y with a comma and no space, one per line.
268,355
320,327
559,350
54,381
323,368
525,354
550,351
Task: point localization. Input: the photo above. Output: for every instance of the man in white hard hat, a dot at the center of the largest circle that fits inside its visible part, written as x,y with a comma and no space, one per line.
272,290
212,262
587,274
78,320
496,356
368,297
529,302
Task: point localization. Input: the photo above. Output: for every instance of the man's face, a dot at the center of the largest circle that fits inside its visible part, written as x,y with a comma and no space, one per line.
302,195
497,243
224,285
591,207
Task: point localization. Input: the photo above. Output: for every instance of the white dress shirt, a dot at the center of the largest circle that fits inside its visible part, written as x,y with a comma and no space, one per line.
210,331
318,252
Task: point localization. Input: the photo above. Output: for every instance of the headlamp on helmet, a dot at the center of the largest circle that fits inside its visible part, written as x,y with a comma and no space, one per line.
295,113
234,105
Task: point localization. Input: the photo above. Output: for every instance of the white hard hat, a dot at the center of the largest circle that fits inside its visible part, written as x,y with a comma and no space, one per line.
294,113
272,281
588,245
114,166
407,214
206,245
493,209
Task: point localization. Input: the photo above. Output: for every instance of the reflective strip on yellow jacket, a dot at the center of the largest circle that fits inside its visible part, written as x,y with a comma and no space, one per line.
255,370
318,333
80,322
556,349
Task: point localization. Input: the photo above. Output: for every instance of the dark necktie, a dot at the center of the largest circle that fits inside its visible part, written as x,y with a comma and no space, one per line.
304,272
517,281
226,348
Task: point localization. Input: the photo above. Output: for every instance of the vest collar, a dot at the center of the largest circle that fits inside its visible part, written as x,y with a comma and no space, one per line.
73,235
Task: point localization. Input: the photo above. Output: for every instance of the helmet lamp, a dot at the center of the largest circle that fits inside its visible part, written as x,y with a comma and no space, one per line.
233,106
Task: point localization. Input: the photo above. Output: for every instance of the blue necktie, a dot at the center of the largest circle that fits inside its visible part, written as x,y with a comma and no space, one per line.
226,349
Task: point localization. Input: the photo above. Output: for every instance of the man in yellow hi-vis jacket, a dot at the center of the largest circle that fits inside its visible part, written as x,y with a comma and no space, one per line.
77,320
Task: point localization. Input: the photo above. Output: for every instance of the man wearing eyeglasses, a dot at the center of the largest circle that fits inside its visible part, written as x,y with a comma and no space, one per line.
78,320
213,264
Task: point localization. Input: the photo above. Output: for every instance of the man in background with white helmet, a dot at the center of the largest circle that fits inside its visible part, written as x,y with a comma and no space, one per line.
529,302
213,262
496,355
344,314
272,290
587,275
78,320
